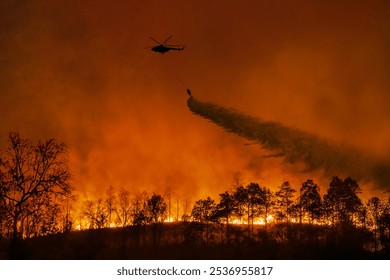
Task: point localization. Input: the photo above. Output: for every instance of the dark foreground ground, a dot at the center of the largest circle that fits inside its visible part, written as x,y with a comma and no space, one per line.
195,241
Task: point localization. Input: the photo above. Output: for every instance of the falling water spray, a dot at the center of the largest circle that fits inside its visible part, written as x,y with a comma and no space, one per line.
296,146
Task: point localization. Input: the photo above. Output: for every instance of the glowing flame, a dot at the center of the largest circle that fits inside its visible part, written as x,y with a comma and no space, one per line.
236,222
168,220
259,221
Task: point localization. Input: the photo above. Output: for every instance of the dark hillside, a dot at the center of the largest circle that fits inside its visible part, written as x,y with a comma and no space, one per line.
193,241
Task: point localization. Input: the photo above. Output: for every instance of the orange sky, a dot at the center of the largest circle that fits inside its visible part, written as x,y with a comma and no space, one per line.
78,71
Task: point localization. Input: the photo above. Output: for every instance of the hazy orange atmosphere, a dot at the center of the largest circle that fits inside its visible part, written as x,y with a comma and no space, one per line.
80,72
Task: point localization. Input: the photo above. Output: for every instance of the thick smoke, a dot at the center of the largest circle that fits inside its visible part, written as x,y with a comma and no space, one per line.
296,146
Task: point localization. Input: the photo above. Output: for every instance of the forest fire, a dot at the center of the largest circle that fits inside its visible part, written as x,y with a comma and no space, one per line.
32,207
101,141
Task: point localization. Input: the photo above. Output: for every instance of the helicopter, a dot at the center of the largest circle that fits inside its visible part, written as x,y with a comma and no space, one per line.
162,48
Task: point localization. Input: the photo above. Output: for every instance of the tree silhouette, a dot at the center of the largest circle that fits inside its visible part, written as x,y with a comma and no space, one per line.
310,200
139,209
226,207
255,200
95,213
251,200
224,210
267,204
101,214
341,200
284,201
241,198
88,213
29,172
203,212
66,203
374,212
384,226
110,204
123,208
42,217
3,219
157,208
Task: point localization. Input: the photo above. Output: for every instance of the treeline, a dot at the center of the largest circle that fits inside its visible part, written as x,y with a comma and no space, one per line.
337,212
36,199
120,209
300,215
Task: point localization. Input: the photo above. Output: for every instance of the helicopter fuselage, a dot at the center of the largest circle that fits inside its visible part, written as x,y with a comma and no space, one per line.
160,49
164,49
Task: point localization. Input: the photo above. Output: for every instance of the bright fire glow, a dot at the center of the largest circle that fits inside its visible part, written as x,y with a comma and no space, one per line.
259,221
147,137
168,220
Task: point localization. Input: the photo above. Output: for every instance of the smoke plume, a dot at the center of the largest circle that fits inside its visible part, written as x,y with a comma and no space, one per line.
296,146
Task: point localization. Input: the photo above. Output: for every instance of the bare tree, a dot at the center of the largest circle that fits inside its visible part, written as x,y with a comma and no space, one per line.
101,214
110,203
66,203
88,213
95,213
139,209
124,208
168,195
28,171
41,217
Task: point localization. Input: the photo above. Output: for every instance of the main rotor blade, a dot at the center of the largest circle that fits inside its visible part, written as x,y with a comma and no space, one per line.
156,41
166,40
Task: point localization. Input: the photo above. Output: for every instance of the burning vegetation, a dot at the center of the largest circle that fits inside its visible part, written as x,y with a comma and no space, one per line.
37,200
